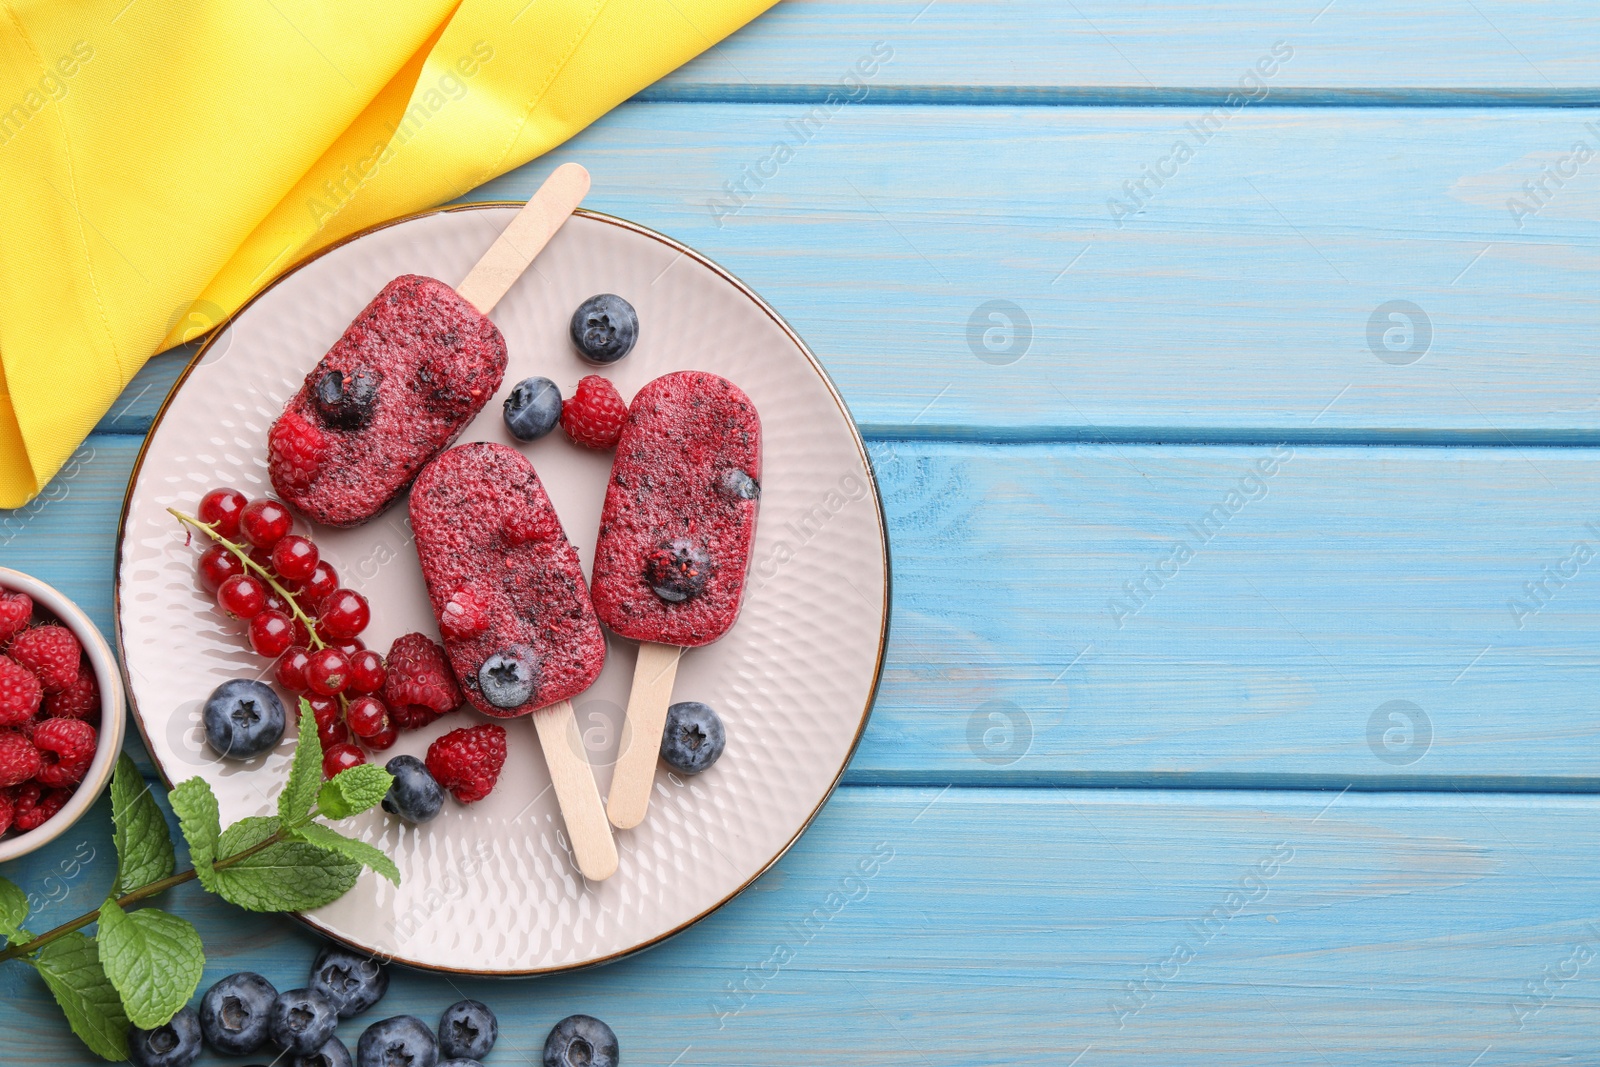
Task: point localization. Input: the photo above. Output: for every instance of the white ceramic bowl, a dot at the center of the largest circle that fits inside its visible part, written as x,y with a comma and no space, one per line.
104,665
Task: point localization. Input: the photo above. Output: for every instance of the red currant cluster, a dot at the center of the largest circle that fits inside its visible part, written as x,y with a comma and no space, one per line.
299,615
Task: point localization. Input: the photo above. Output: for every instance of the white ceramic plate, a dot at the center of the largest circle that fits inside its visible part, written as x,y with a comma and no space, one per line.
492,888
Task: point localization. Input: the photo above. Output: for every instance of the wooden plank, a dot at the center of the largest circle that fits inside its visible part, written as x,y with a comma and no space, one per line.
1022,927
1351,577
1239,305
1215,614
956,44
1236,306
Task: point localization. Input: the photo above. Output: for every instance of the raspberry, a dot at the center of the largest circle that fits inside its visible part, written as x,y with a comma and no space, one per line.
522,526
594,414
19,760
465,614
67,748
8,810
419,686
295,451
467,762
19,692
34,806
51,653
16,609
80,700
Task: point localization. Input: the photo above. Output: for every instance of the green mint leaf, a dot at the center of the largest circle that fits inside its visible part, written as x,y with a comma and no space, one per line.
70,966
305,773
13,913
154,960
284,876
144,848
196,808
353,791
331,840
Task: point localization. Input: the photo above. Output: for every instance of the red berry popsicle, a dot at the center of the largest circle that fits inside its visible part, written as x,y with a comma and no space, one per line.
674,547
407,376
410,372
521,635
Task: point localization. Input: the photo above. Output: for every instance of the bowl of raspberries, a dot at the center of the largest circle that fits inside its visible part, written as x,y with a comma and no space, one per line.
60,714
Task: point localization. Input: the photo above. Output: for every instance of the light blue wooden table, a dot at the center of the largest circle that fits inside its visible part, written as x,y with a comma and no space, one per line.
1241,701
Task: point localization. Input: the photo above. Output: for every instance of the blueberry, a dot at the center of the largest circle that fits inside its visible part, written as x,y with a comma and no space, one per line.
243,718
694,737
735,484
533,408
345,401
677,570
177,1044
506,678
604,328
414,796
351,982
333,1054
459,1063
234,1013
467,1030
302,1021
403,1040
581,1041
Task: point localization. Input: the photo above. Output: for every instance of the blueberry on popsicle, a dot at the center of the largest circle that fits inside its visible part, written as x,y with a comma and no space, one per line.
674,547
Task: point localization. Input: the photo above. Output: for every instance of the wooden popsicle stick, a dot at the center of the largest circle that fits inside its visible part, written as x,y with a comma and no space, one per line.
530,230
635,773
576,791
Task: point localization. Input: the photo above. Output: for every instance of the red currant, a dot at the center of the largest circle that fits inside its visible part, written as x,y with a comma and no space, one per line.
276,602
324,709
220,510
217,565
265,522
332,733
315,589
367,673
328,672
302,635
242,596
383,739
292,668
270,633
341,757
367,717
344,614
262,558
349,645
294,558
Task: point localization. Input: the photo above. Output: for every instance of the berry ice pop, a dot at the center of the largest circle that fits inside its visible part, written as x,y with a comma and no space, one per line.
410,372
519,630
407,376
674,547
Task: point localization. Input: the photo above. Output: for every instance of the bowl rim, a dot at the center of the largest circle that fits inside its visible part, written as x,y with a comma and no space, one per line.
108,675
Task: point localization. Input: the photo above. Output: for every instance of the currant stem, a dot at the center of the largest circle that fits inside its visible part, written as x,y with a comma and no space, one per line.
244,557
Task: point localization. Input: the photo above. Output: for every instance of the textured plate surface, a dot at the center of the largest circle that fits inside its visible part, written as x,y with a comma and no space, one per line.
492,888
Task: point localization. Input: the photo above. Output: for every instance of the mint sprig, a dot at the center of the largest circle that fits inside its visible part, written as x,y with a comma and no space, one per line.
144,851
70,967
153,959
143,965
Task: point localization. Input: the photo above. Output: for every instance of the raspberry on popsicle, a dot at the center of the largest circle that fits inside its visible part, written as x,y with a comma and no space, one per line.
674,547
519,630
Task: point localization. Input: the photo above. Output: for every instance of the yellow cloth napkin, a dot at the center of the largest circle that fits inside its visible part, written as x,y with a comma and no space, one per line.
160,162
